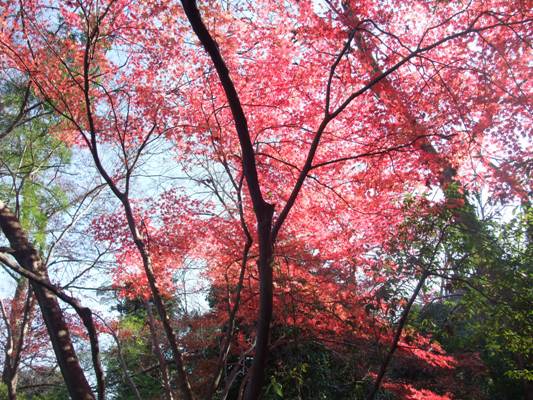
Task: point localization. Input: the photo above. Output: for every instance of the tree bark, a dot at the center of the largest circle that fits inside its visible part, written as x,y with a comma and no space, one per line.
264,264
29,259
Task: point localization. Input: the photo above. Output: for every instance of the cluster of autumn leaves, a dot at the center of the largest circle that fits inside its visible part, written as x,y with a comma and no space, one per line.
307,133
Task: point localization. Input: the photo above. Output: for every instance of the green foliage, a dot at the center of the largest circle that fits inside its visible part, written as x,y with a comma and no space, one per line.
488,309
306,369
3,392
137,353
56,393
30,158
46,383
133,331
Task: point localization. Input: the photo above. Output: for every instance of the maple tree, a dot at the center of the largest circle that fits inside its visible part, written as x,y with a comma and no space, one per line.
308,127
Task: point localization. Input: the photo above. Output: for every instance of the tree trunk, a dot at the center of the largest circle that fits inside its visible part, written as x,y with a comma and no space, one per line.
182,378
157,350
19,321
257,374
263,211
397,336
29,259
